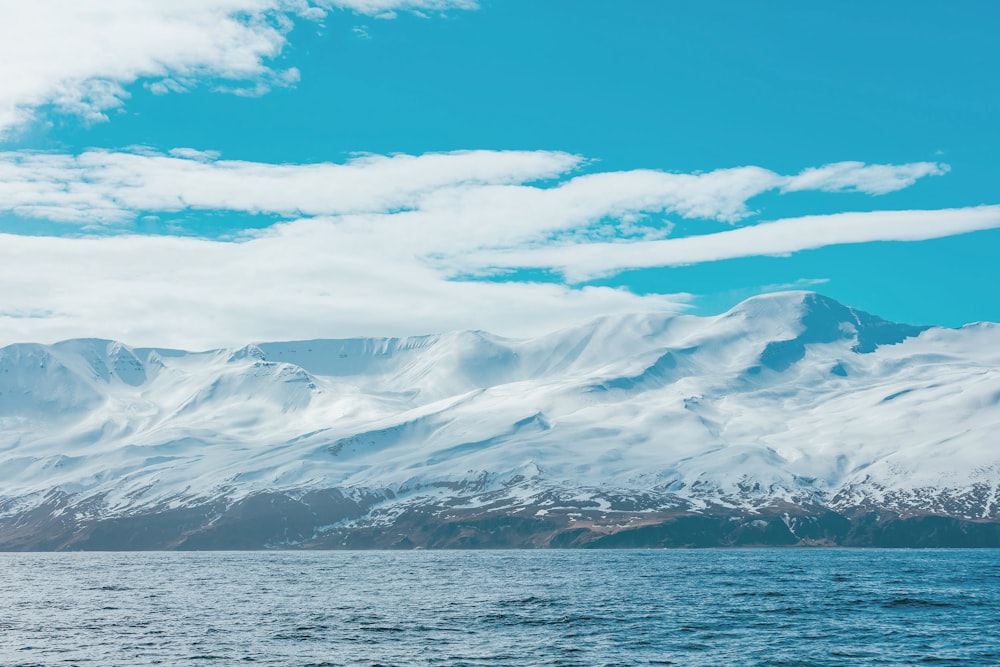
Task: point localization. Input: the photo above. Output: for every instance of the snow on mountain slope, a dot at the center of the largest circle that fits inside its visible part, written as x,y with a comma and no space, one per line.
788,400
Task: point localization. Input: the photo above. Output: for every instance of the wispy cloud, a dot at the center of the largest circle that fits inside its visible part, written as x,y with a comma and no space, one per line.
873,179
582,262
79,57
112,187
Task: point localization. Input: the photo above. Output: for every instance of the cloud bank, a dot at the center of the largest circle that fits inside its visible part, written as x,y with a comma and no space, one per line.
299,282
379,245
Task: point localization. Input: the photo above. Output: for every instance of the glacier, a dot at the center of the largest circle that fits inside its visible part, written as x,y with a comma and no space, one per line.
790,419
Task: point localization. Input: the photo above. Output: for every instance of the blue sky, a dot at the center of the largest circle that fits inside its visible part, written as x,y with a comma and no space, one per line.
255,169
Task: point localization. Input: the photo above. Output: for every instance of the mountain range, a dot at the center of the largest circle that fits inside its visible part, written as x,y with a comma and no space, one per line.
789,420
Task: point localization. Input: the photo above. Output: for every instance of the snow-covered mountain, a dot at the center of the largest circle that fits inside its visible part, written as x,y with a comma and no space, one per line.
789,419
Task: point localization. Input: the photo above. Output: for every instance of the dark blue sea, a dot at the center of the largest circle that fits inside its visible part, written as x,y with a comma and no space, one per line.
703,607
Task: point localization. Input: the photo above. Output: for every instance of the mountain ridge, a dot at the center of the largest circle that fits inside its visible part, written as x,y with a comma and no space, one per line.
788,409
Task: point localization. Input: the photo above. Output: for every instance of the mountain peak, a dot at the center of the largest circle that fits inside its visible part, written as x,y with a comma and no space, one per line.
796,304
821,319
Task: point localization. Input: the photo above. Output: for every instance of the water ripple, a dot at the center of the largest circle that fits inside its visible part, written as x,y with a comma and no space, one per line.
557,608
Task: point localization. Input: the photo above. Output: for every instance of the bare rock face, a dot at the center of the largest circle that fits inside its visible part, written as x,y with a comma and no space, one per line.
789,420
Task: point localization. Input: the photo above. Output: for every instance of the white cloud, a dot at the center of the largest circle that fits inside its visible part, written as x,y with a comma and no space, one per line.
585,261
873,179
78,56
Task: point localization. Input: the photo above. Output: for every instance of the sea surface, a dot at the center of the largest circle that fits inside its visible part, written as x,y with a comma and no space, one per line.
678,607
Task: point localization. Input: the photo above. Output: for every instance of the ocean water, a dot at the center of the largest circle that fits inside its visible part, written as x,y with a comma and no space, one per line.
699,607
